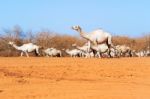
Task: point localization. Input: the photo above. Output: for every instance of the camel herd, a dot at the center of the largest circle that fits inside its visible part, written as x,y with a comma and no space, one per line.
99,44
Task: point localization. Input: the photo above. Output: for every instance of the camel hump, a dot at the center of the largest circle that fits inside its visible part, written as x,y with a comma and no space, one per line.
100,30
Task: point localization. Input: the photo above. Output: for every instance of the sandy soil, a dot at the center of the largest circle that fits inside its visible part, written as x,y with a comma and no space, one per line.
74,78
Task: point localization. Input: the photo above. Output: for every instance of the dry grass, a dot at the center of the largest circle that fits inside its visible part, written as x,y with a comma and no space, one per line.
48,39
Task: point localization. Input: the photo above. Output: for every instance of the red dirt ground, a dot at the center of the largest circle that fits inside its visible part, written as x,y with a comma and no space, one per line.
74,78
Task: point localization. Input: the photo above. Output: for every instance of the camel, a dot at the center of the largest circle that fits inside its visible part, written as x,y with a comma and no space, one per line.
85,49
100,49
74,52
124,50
114,53
95,37
140,54
25,48
52,52
143,53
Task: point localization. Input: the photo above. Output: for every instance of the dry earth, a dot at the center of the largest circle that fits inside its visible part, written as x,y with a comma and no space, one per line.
74,78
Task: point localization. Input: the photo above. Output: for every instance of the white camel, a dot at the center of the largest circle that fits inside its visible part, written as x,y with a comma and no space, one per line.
85,49
73,52
95,37
140,54
124,50
52,52
25,48
100,49
143,53
114,53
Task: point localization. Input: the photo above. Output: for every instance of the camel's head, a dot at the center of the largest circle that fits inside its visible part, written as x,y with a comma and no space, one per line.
10,43
77,28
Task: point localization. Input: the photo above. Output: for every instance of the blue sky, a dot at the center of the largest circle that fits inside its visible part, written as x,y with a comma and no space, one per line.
119,17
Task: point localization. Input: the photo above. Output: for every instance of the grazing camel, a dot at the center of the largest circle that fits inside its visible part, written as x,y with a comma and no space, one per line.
143,53
96,37
52,52
124,50
114,53
85,49
25,48
74,52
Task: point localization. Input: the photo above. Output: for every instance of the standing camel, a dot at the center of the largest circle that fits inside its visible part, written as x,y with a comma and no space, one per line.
73,52
95,37
25,48
52,52
100,49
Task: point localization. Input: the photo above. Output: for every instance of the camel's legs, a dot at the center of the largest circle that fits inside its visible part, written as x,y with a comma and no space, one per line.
98,54
27,54
60,55
21,54
47,55
37,51
109,40
89,46
87,55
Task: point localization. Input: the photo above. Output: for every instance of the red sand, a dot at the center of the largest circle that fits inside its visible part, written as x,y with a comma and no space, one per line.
74,78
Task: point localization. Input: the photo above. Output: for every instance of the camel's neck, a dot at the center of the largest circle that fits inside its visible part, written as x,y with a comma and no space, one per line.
16,47
84,35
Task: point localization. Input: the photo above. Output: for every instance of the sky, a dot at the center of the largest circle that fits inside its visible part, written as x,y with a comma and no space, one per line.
118,17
